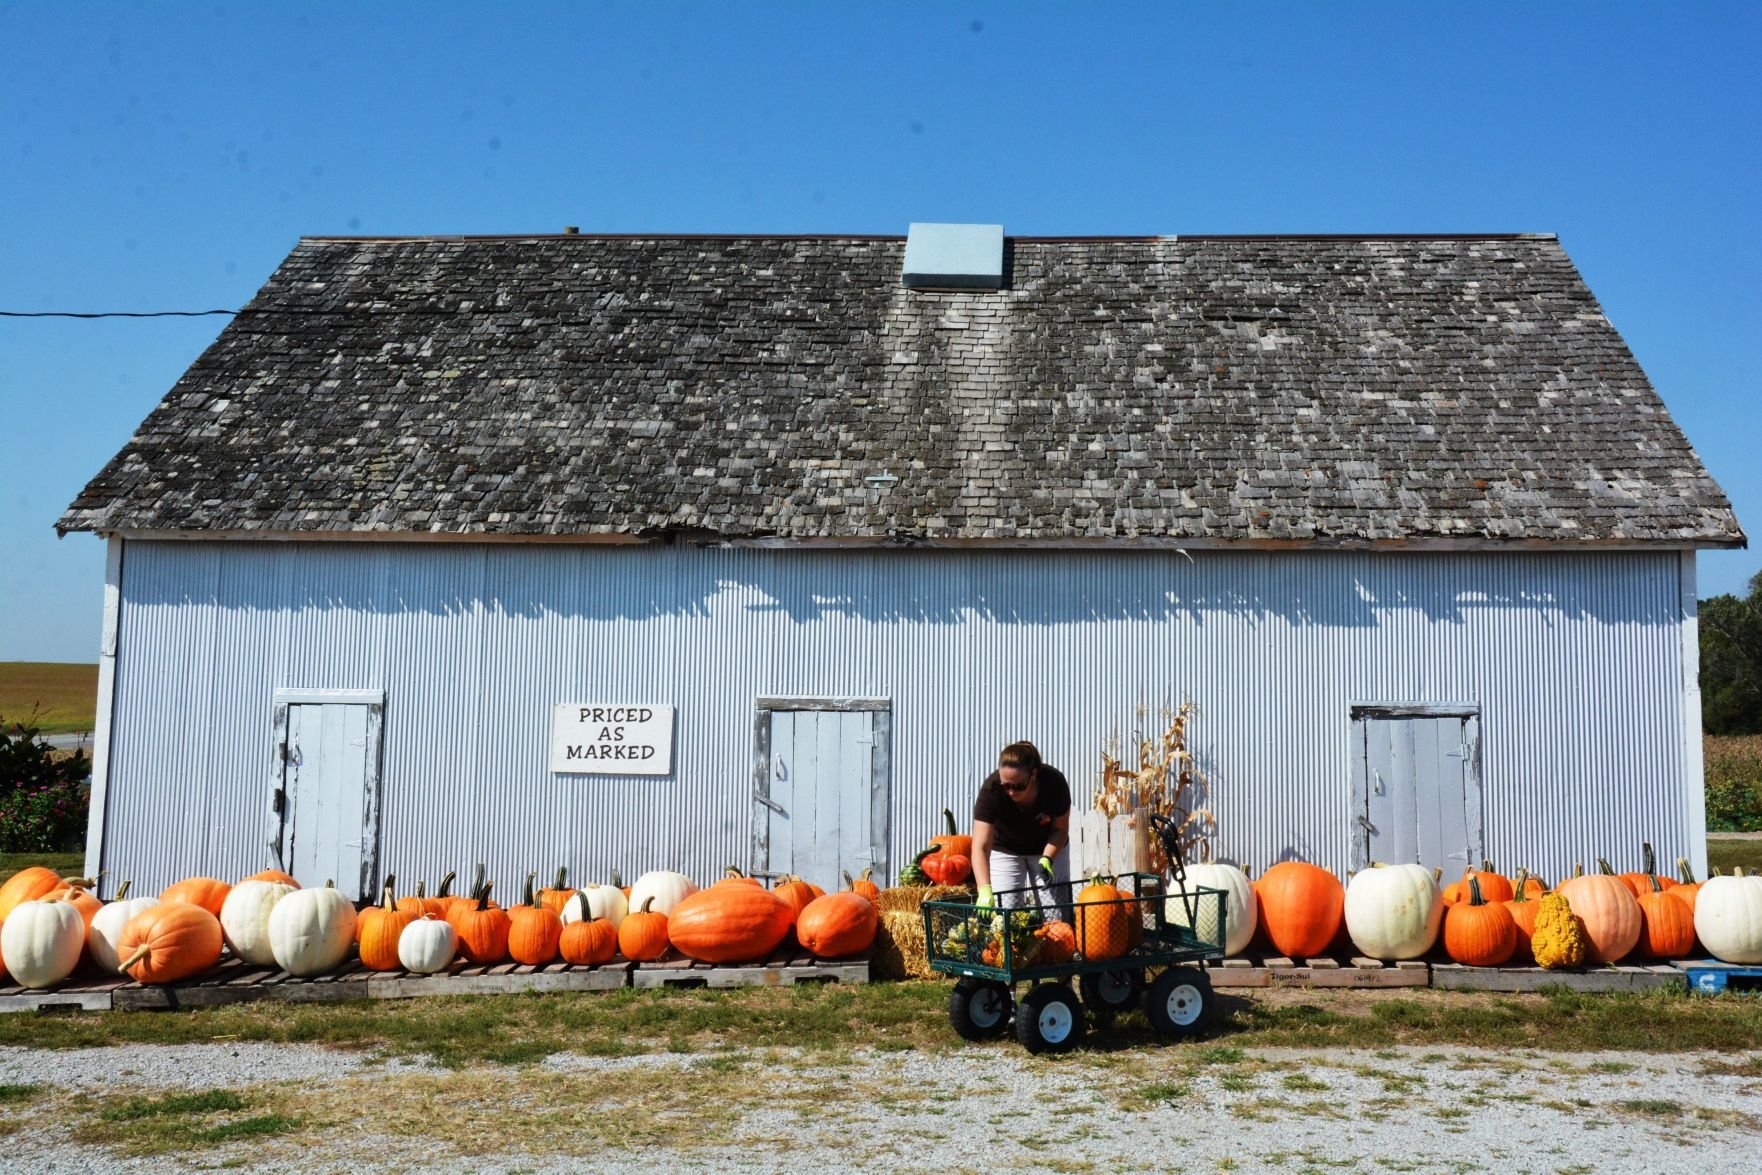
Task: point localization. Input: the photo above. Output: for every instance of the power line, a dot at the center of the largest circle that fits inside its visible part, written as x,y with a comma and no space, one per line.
112,313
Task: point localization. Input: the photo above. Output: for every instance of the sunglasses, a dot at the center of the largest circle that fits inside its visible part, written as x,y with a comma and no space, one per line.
1015,788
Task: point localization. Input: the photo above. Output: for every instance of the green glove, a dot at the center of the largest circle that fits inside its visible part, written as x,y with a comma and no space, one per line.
1046,864
983,902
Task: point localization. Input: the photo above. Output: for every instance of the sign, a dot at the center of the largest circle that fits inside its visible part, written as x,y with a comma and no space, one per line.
612,740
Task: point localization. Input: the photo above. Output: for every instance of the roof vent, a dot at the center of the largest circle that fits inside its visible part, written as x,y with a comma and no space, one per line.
954,257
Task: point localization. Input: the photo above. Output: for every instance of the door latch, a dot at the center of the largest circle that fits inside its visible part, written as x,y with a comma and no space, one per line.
1364,823
767,801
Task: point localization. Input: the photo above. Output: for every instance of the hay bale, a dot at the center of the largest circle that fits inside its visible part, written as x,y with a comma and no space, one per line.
907,898
899,940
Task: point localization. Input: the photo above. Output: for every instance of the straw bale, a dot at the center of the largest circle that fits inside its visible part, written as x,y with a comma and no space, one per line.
899,947
907,898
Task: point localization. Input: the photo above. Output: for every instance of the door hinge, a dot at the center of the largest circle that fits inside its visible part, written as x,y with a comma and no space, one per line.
767,801
1364,823
281,800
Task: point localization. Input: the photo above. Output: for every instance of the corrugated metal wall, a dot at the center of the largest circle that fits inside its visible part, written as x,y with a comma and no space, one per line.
1574,660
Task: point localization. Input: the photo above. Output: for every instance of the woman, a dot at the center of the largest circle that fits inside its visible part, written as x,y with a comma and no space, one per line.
1021,828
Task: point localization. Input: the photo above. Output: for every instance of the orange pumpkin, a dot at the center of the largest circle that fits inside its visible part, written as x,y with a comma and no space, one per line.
946,868
732,875
588,943
1610,913
1301,906
643,933
863,886
534,930
1100,923
730,922
206,892
482,929
420,905
1641,883
1667,924
378,929
952,842
837,925
1690,888
1477,932
797,894
274,875
1058,943
557,896
1523,909
80,895
1495,887
169,942
27,885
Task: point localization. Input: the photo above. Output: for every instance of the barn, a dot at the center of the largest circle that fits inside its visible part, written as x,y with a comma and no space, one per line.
684,551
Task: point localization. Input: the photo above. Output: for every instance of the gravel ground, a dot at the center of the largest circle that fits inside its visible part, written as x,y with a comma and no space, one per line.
1209,1109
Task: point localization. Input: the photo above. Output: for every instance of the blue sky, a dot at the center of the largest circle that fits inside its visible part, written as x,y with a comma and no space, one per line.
166,156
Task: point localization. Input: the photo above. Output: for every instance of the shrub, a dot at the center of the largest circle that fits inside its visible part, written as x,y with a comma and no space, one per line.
44,793
1734,783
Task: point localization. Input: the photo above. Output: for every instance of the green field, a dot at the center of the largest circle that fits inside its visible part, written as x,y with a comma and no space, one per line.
65,697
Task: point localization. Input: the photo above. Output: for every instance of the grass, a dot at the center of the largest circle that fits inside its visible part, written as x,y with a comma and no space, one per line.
1724,854
459,1031
65,864
64,698
175,1122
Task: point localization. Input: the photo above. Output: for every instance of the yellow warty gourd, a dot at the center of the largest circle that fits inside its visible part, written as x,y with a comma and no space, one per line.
1559,940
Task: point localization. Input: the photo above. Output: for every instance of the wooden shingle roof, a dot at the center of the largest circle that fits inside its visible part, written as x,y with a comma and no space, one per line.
1337,391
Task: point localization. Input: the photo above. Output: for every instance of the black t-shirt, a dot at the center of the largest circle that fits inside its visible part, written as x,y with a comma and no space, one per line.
1023,830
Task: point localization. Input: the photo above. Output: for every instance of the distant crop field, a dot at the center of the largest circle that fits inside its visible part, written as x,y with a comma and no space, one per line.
65,697
1734,782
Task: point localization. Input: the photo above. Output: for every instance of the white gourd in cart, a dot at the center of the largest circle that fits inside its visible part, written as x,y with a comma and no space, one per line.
1241,907
1394,911
603,901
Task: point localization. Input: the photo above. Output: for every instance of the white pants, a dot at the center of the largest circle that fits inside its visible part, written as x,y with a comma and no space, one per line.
1014,871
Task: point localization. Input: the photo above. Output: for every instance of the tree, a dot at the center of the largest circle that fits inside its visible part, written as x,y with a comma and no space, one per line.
1731,662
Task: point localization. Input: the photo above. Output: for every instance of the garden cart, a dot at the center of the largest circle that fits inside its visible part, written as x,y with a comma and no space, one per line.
1110,945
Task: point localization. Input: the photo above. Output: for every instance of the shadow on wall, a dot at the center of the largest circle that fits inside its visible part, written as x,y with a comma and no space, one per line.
1298,589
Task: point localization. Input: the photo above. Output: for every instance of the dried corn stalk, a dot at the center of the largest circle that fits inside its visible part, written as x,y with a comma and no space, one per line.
1162,780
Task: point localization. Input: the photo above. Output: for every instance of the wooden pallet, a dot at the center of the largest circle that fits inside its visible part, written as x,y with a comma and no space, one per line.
1713,977
786,968
1278,971
1457,977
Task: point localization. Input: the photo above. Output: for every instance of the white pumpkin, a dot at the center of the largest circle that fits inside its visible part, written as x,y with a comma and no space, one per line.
1241,907
311,931
41,942
427,945
667,890
603,901
1728,918
244,919
1394,911
106,930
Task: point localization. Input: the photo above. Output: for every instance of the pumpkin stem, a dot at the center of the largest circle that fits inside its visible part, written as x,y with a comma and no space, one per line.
391,880
477,878
732,871
1683,871
1487,866
867,874
948,819
919,859
586,912
140,953
646,903
562,876
1651,858
528,895
446,885
616,880
1523,879
483,895
1603,867
122,892
1653,878
420,895
389,905
1714,872
1578,870
330,883
1474,890
1737,871
1437,873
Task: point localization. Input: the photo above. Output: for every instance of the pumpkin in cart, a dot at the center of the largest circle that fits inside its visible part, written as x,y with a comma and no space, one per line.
534,930
1241,909
207,892
168,942
838,924
1058,943
482,927
643,936
1099,923
587,941
952,842
380,930
1301,906
730,922
1610,914
1479,933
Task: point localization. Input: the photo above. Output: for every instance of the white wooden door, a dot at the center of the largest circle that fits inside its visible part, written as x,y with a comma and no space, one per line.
328,798
826,808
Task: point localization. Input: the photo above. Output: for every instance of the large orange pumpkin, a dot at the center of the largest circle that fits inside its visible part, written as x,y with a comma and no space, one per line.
1641,882
377,932
837,925
420,905
534,930
79,893
1058,943
1301,906
482,928
1610,914
1523,909
1477,932
27,885
1690,888
953,843
1099,924
588,942
1495,887
557,896
731,922
169,942
643,933
797,893
1668,924
206,892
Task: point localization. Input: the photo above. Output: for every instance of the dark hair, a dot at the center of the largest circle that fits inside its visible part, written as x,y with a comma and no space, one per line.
1021,754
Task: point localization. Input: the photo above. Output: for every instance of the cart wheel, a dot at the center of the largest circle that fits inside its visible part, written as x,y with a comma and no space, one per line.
1050,1020
1111,991
979,1009
1179,1002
